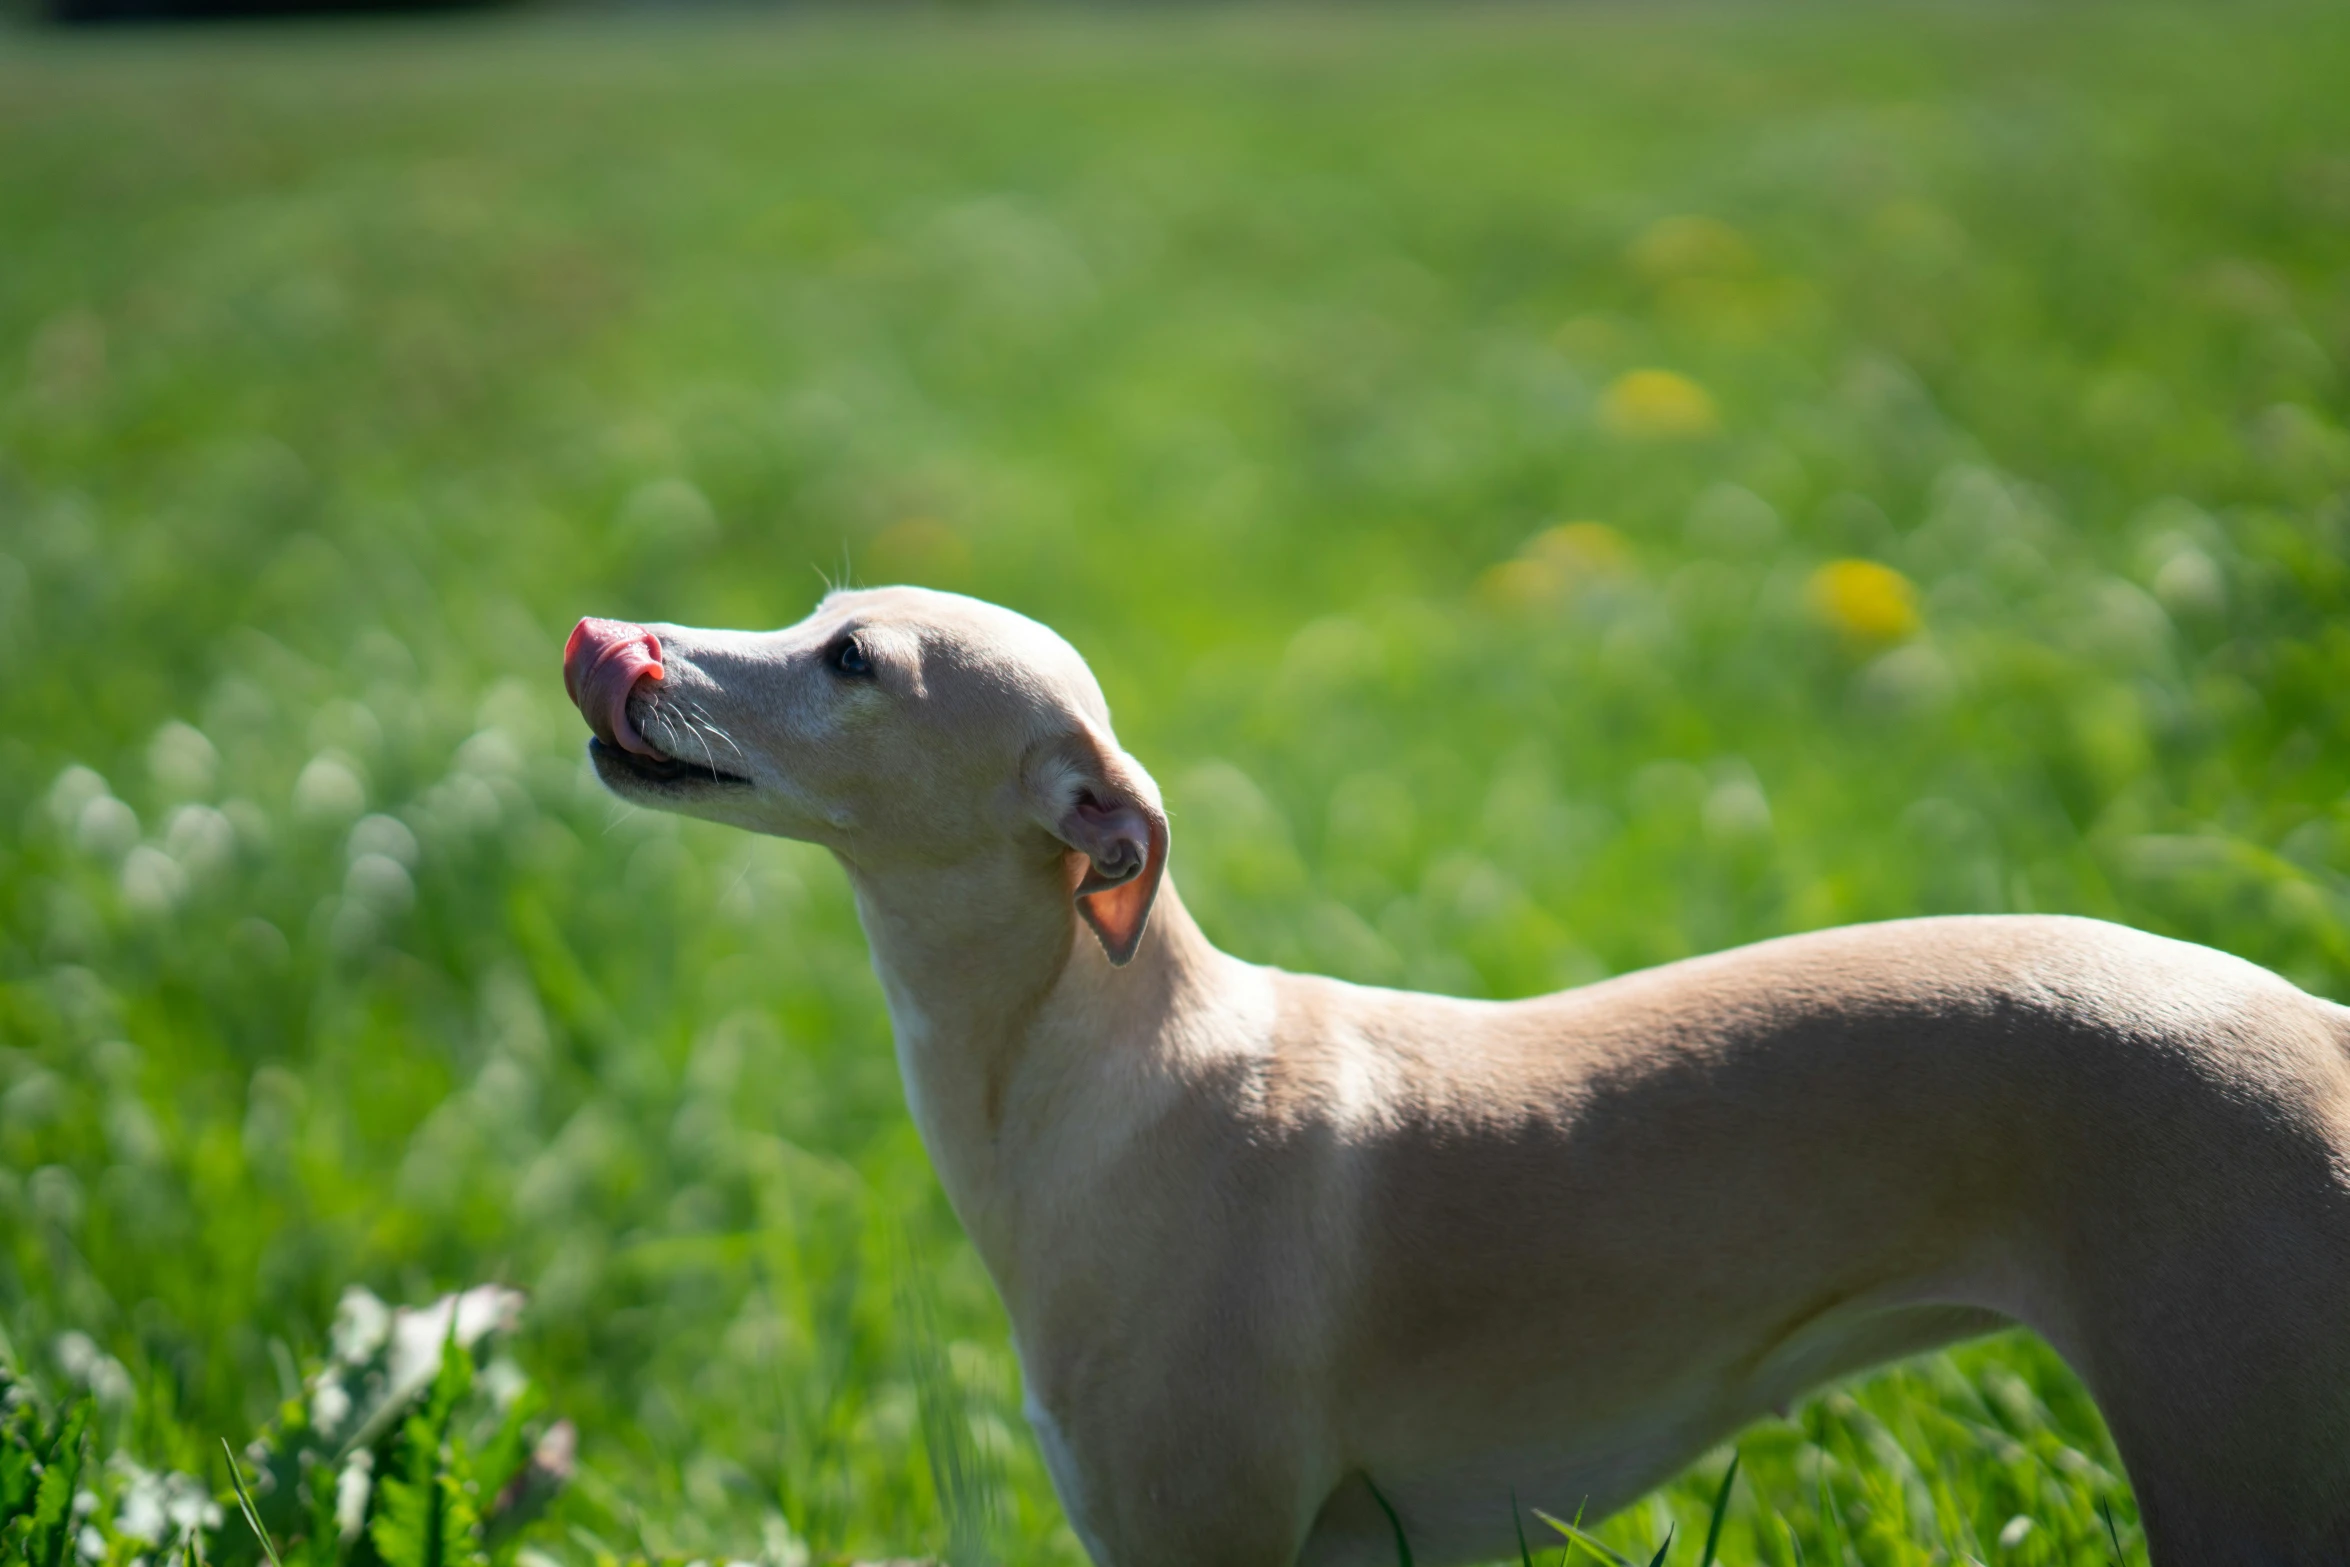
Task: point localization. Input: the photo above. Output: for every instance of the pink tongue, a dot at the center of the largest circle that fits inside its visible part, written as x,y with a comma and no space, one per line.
602,663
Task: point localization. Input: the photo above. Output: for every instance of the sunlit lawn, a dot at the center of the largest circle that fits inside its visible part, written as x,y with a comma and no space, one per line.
1547,491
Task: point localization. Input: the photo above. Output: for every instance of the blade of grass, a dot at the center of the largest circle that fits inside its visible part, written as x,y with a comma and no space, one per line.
2105,1506
1518,1521
236,1477
1831,1515
1713,1529
1597,1547
1658,1560
1403,1547
1567,1551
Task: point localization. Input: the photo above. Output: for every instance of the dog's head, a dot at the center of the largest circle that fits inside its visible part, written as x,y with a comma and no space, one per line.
898,727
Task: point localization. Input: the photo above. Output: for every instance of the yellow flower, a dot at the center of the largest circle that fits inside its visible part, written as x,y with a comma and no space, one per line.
1866,601
1583,549
1657,403
1689,246
1519,584
1554,561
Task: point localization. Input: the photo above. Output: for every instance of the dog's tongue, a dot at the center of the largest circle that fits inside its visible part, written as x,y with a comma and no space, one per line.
602,663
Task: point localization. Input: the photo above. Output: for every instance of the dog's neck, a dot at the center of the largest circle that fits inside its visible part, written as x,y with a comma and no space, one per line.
1000,998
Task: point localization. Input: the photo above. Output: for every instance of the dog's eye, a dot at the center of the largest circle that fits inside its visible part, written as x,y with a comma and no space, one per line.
848,657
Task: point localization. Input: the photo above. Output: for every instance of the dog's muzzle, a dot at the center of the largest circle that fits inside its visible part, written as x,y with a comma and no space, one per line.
602,663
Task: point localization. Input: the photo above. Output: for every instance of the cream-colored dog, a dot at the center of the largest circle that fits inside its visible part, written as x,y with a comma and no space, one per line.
1265,1237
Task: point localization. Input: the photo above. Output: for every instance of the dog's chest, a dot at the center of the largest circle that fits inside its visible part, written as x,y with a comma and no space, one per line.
1061,1464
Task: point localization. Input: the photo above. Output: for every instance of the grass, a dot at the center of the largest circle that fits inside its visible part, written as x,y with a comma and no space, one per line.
1547,491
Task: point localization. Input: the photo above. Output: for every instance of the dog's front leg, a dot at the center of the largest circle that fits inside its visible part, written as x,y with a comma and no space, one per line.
1171,1483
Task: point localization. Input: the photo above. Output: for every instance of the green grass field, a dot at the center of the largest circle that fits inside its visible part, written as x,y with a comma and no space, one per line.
1453,436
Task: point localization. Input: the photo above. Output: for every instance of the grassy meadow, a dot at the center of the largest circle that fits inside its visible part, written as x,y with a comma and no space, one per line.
1547,491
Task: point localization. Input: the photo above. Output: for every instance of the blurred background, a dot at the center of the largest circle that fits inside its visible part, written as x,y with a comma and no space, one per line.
1547,489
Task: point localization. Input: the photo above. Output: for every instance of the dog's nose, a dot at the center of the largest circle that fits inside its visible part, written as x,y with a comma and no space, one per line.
602,663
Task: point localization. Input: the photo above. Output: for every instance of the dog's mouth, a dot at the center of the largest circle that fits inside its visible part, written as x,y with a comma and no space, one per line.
658,768
610,666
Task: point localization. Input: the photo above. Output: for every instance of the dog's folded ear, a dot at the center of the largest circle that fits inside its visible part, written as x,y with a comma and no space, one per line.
1100,803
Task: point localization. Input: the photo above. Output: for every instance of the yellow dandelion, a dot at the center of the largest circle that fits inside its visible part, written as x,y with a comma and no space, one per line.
1658,404
1519,584
1553,562
1866,601
1580,549
1681,246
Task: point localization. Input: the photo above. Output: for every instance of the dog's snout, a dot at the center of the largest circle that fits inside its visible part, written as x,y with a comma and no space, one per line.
602,663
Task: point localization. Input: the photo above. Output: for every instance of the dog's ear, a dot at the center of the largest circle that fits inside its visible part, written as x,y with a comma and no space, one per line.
1097,800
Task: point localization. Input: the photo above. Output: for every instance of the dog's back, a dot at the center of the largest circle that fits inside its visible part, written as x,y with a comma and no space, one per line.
1609,1226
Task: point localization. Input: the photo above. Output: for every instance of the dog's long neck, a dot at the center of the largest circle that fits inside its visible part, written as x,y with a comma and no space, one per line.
1002,1001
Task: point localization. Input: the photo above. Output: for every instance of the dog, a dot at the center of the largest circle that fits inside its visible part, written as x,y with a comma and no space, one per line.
1293,1265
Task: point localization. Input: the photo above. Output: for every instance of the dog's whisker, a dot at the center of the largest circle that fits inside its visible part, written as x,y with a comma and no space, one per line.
700,718
694,719
677,723
709,757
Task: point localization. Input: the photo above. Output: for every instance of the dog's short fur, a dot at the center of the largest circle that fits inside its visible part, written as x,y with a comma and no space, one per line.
1263,1235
